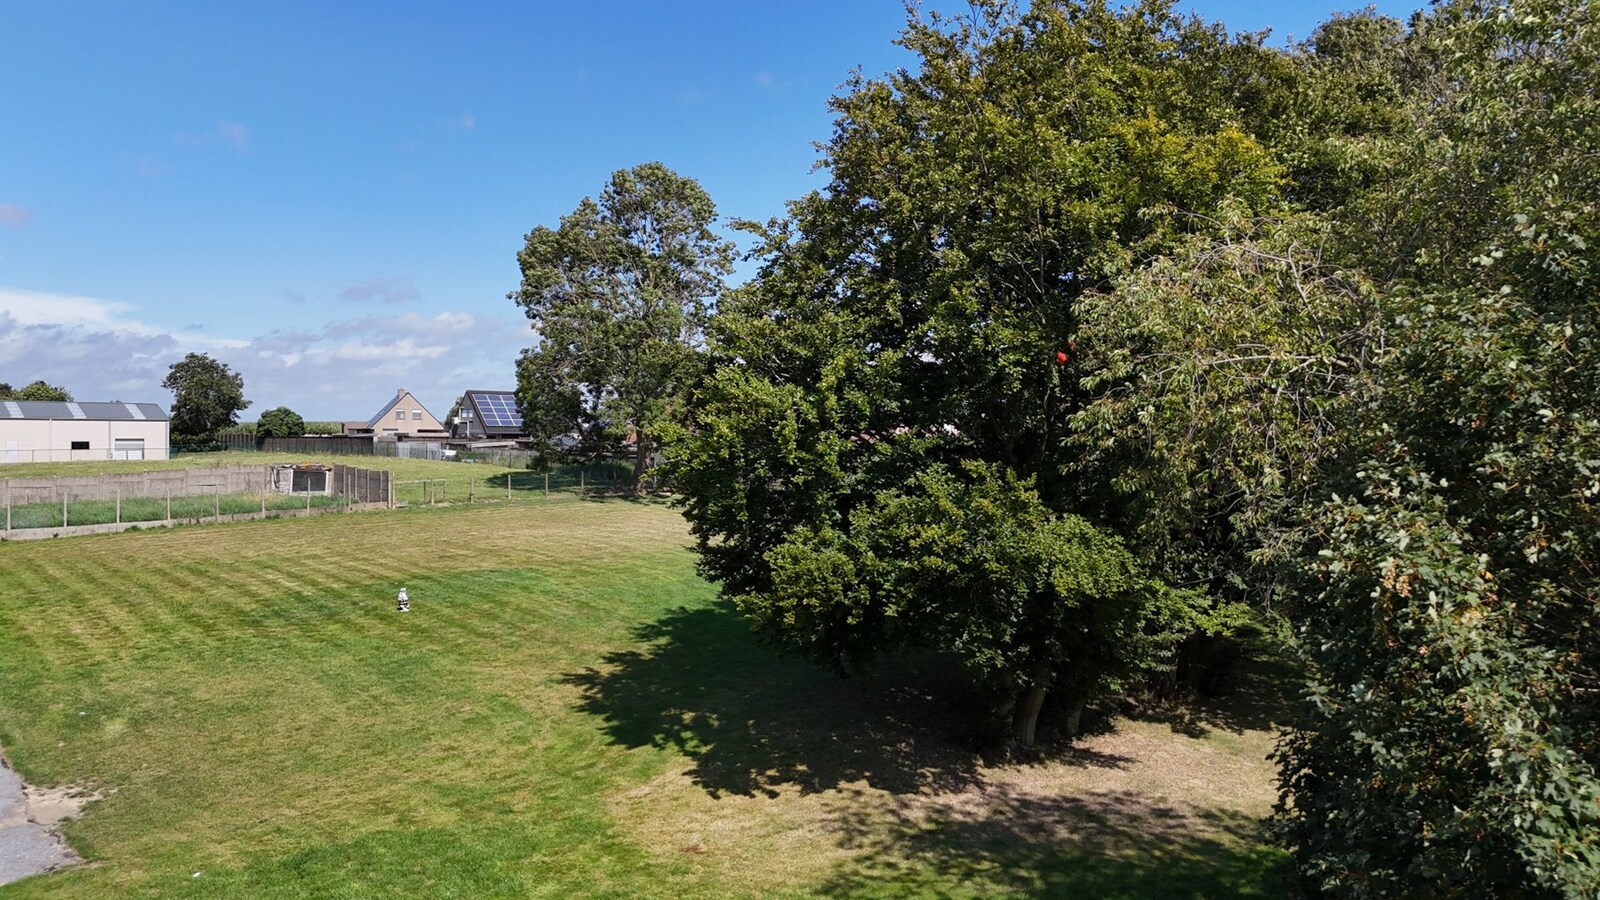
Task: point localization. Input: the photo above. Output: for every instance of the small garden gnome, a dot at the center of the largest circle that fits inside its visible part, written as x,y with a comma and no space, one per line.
404,604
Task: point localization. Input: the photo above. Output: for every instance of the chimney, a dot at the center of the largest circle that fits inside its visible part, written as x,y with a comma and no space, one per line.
401,392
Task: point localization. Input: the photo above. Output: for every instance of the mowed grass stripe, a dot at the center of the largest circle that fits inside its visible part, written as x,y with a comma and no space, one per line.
254,692
566,712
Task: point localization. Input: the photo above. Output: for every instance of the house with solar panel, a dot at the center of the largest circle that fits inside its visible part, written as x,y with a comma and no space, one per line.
62,431
488,416
403,418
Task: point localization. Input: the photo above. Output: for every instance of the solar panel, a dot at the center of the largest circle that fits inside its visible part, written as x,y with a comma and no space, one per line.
498,410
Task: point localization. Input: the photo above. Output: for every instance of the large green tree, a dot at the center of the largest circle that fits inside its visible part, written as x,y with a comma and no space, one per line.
895,391
618,294
206,397
1219,379
1448,592
280,423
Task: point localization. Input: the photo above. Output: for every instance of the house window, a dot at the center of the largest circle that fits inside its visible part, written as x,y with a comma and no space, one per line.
400,414
80,445
416,415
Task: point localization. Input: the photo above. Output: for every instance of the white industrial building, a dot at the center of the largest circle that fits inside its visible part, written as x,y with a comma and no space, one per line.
53,431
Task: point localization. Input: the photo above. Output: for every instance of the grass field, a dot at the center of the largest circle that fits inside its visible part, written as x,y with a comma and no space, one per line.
567,711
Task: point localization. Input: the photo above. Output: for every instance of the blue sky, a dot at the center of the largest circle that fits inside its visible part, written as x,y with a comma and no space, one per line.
329,196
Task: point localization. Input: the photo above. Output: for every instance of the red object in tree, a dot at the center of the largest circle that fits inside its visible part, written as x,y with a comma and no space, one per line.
1061,358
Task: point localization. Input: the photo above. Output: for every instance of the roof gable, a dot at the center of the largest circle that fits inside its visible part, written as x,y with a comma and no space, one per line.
402,398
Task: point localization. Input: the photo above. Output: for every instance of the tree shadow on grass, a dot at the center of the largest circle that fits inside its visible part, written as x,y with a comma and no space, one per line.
1007,840
754,721
1258,695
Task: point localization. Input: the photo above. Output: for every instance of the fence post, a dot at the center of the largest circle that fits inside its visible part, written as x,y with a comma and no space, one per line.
119,504
547,483
169,504
63,508
216,503
508,485
582,490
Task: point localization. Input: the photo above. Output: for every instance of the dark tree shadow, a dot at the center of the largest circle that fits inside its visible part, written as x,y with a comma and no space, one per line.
1256,696
753,723
753,720
1011,841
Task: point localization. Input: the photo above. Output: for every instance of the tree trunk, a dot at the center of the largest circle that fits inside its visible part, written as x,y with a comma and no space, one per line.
1074,717
1025,717
641,461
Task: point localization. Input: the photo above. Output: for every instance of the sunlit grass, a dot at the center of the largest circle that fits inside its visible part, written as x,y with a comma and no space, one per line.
566,711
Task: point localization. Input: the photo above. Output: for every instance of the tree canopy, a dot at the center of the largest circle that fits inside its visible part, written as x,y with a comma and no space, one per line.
1110,325
618,293
921,316
37,390
1448,584
207,396
281,422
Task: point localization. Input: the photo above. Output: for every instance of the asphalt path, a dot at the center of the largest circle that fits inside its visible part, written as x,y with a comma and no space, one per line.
26,847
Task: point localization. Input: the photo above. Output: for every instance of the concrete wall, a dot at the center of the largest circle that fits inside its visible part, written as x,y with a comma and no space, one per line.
51,440
249,479
364,485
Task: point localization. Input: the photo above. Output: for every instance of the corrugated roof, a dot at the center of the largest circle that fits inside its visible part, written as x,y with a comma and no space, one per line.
54,409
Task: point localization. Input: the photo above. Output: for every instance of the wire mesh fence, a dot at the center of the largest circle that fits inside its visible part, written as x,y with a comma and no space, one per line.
589,479
184,508
74,503
253,491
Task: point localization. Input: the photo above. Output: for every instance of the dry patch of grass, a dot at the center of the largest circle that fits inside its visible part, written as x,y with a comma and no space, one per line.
869,787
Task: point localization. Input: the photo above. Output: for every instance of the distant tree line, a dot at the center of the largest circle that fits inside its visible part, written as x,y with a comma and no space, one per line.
37,390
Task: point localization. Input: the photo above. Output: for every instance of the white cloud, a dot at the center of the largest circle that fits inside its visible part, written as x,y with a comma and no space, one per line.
225,133
467,122
233,134
15,215
388,351
100,350
384,289
770,82
66,310
151,166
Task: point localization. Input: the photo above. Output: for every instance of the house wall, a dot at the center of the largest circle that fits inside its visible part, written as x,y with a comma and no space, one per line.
409,418
51,440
